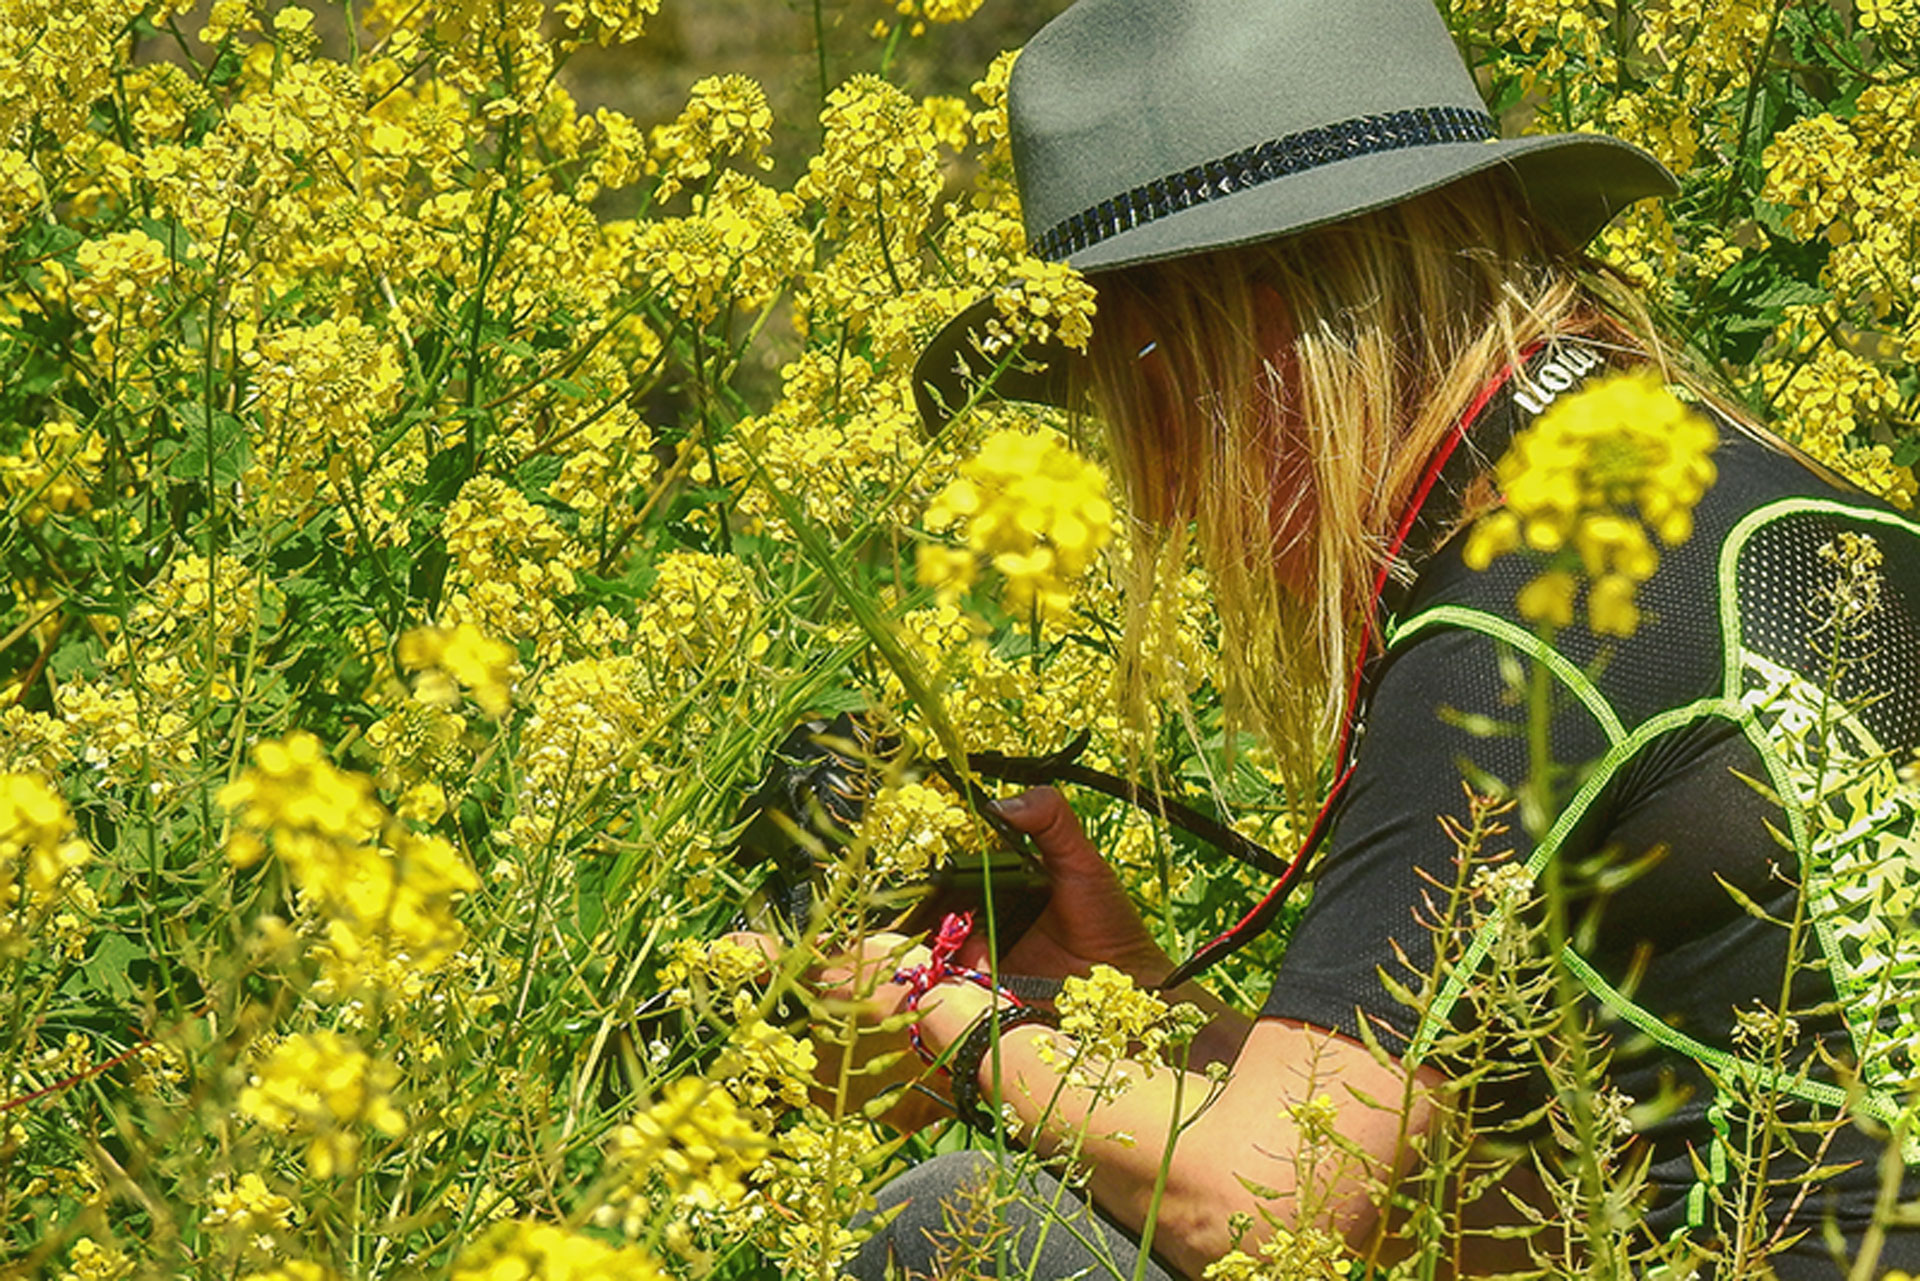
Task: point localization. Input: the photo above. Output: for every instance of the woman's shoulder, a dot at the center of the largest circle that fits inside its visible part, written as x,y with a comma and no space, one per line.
1752,548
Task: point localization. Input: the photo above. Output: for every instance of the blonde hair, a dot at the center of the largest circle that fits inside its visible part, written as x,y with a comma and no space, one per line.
1278,404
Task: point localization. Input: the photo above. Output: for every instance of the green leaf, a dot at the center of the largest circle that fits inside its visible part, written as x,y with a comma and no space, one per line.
215,446
1788,292
538,472
109,970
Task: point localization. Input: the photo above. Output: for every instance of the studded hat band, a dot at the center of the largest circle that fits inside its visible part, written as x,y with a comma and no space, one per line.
1277,158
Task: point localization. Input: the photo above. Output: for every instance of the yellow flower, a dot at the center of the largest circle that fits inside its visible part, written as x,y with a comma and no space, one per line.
698,1140
762,1065
1106,1013
725,116
38,854
1043,300
463,654
913,828
1302,1254
249,1207
386,894
323,1088
878,171
22,192
1031,507
740,248
612,21
311,811
1875,14
1549,598
1584,483
523,1251
91,1261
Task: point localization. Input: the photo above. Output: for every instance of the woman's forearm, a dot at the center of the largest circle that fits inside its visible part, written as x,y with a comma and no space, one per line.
1125,1122
1228,1143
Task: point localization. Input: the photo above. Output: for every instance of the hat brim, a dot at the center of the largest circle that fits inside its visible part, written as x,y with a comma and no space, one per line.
1573,183
954,372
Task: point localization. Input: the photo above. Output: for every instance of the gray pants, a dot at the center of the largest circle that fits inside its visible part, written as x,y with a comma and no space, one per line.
966,1216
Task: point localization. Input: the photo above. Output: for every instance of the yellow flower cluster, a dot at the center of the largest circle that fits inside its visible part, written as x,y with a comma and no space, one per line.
920,12
1855,592
387,892
819,1171
249,1207
1037,512
1878,13
762,1066
1583,484
697,1141
1044,300
55,471
164,98
88,1260
511,561
1107,1014
914,828
878,172
739,249
138,735
838,433
725,116
1287,1254
322,1087
588,718
33,742
518,1250
220,599
1828,399
611,21
446,660
320,388
38,855
1854,182
61,59
22,193
312,815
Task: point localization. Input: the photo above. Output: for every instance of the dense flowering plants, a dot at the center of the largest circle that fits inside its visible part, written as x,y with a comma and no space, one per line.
425,501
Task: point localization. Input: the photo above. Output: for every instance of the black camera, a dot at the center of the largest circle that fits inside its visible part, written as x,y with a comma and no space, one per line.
814,792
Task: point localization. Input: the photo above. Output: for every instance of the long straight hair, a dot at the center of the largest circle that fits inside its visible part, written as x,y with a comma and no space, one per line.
1277,404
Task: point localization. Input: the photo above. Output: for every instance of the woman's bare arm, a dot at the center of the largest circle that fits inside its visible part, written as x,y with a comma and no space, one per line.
1304,1128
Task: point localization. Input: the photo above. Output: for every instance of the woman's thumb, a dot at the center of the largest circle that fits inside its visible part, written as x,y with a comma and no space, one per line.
1043,814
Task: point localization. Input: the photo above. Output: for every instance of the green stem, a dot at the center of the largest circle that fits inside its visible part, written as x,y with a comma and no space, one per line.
1166,1163
1735,179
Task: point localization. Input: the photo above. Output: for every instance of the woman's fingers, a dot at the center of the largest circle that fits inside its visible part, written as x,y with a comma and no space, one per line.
1043,814
1089,918
857,970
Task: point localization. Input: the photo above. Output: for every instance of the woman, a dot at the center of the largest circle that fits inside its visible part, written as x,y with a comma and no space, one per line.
1329,298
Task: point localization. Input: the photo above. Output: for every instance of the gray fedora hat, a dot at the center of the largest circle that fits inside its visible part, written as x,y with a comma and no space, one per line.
1150,129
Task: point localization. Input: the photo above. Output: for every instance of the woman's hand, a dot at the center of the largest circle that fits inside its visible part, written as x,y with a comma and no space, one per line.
861,1016
1089,920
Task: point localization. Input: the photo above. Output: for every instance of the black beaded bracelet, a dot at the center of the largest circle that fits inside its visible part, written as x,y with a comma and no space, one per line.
971,1052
